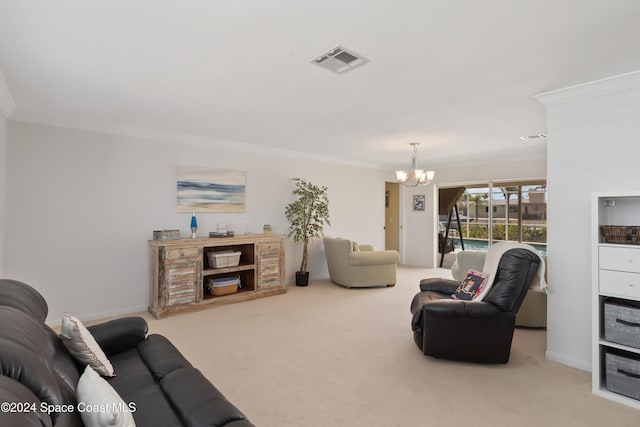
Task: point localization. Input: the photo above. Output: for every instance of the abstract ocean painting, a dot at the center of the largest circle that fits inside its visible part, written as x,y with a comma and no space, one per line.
202,189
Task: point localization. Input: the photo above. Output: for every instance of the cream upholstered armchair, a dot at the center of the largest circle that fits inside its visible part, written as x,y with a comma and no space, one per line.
533,311
354,265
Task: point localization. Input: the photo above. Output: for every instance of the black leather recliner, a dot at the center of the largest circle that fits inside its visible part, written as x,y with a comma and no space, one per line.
36,369
479,331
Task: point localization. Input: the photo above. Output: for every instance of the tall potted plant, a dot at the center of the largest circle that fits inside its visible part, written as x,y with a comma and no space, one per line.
308,215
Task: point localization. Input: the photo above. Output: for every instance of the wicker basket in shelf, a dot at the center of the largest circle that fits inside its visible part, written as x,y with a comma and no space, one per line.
224,286
622,234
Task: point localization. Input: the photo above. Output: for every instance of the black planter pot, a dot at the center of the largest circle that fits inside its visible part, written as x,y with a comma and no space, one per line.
302,278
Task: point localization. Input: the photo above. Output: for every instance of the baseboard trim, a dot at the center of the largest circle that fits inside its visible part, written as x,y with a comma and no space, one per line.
102,315
292,280
574,363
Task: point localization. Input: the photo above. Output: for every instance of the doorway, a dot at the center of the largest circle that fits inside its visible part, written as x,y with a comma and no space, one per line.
392,216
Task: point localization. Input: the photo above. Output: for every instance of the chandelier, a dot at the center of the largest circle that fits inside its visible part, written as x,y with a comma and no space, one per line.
416,176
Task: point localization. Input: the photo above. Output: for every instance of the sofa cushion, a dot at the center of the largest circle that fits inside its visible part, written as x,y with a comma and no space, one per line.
81,344
64,365
373,258
24,298
196,400
135,384
13,392
161,356
26,354
167,390
99,404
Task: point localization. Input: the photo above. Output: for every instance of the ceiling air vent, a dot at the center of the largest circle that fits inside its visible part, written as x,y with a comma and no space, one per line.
339,60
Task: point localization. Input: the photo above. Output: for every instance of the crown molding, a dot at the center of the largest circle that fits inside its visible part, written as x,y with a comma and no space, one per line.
7,103
180,138
592,89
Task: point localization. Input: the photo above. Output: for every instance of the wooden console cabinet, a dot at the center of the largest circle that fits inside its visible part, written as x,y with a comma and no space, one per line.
180,271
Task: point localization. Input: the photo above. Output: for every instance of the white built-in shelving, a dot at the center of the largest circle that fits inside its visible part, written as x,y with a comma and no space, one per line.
615,273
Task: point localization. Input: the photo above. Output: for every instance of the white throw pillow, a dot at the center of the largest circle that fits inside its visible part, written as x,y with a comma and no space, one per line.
81,344
99,404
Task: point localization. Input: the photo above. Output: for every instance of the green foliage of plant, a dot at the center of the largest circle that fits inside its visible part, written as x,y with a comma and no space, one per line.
530,233
476,231
308,214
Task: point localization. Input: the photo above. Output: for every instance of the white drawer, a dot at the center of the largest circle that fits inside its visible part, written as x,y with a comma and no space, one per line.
618,283
622,259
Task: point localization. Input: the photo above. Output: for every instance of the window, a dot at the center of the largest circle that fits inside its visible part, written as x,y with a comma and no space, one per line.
513,211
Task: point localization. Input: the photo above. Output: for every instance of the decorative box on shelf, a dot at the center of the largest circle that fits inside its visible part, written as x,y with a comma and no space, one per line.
219,234
622,322
166,234
623,374
224,259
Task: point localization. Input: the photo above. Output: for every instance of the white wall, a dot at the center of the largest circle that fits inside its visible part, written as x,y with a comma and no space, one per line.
82,206
3,187
593,131
419,244
498,171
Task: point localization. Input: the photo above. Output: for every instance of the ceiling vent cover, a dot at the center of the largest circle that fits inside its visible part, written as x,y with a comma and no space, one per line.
339,60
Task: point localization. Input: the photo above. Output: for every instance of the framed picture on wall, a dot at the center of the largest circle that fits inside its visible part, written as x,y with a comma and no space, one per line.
418,202
202,189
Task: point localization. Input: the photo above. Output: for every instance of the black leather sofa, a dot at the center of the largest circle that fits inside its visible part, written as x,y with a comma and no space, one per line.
38,377
479,331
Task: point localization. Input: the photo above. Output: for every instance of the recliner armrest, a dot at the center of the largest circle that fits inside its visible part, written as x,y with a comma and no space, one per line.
453,308
118,335
373,258
443,286
450,308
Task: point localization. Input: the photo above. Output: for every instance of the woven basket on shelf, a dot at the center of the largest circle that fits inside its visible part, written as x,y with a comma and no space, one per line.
224,286
624,234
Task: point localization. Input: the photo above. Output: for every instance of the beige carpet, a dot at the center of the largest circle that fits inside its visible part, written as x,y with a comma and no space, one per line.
328,356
